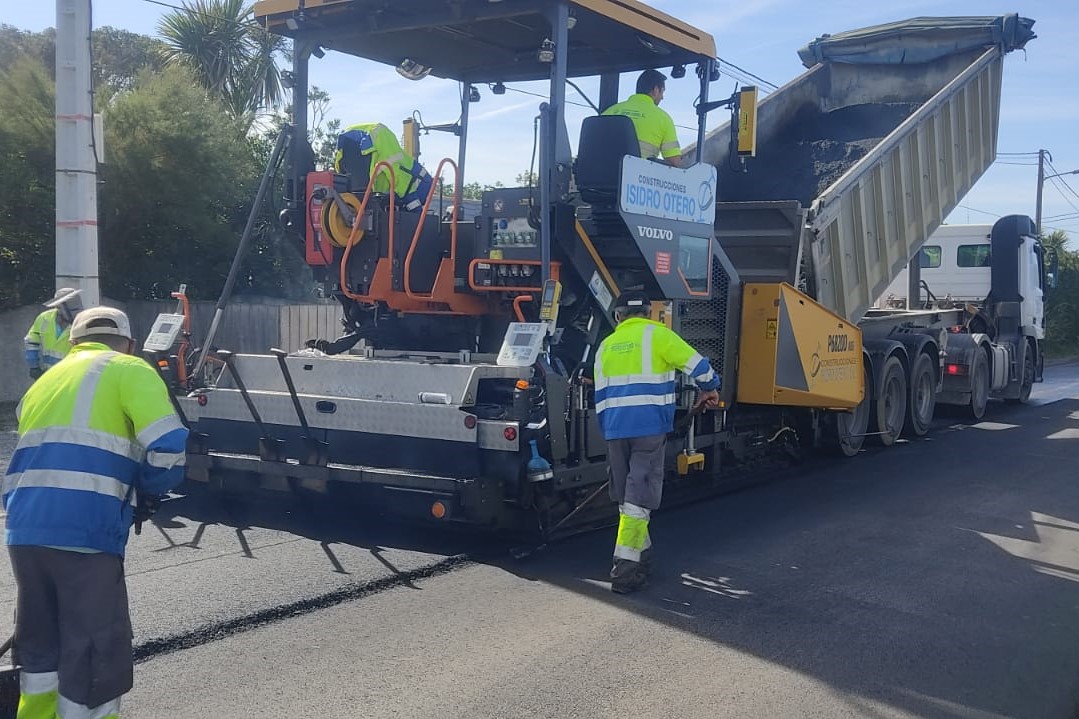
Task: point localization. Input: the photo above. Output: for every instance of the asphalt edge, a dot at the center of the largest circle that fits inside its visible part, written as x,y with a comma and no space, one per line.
160,646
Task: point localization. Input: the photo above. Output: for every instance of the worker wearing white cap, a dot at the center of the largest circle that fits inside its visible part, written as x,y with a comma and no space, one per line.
99,444
48,340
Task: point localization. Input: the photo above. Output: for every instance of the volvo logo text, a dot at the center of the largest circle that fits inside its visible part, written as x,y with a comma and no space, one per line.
655,233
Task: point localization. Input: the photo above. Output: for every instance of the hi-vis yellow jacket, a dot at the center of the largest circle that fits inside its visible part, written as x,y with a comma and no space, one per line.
376,141
635,380
655,128
92,430
46,343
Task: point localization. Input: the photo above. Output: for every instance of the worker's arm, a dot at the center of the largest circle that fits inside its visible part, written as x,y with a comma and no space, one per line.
669,147
32,345
157,428
678,354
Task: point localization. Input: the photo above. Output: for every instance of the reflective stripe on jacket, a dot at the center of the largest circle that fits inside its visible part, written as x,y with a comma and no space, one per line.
46,343
91,430
411,181
655,128
635,378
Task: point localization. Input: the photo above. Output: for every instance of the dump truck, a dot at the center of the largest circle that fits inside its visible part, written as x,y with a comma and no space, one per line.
862,158
465,359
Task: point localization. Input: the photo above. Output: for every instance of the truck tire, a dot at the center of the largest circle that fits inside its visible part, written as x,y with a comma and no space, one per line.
923,397
845,431
1028,378
979,385
891,407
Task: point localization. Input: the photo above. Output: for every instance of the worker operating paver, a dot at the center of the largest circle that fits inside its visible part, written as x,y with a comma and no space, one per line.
99,443
654,127
635,398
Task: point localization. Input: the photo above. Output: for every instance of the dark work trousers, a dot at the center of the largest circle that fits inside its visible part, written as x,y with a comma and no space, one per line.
637,470
71,617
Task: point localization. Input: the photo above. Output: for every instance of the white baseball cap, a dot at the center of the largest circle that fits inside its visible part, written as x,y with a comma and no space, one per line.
101,321
63,296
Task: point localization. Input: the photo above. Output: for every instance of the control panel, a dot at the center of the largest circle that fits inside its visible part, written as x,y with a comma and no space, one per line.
508,247
522,344
513,232
164,333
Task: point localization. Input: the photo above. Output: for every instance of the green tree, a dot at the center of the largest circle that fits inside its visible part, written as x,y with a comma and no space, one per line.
471,190
324,131
27,183
229,55
177,191
1062,307
118,55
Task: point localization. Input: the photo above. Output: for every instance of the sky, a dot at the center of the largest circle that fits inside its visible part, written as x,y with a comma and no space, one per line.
1039,107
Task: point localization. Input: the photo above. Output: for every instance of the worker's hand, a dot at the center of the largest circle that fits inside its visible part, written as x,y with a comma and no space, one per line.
35,372
146,507
708,399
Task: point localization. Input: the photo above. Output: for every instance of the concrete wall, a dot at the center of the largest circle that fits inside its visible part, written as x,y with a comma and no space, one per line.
245,327
13,377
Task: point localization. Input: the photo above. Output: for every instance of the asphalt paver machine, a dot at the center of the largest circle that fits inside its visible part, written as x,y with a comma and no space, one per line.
460,388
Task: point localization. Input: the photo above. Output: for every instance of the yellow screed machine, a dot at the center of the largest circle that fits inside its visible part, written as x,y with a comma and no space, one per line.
794,352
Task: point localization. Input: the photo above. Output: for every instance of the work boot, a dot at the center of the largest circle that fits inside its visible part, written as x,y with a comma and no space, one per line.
626,576
647,562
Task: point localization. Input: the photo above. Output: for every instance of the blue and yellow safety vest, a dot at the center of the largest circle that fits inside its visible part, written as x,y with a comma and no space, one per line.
412,183
92,430
635,378
46,343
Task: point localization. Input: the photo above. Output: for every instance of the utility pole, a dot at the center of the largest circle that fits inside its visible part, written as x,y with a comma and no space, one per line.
76,156
1042,177
1041,185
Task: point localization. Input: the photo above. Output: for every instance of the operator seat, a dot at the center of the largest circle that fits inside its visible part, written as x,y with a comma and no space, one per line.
605,140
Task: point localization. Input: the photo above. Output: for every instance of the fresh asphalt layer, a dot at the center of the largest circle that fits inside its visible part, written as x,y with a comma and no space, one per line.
935,578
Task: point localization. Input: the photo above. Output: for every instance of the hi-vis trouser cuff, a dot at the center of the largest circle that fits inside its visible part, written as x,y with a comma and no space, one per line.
632,532
67,709
38,694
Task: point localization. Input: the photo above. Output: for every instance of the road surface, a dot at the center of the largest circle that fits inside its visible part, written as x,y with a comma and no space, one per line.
939,578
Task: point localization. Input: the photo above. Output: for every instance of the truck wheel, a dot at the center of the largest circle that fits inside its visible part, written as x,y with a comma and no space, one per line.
923,397
1028,378
845,431
979,385
892,406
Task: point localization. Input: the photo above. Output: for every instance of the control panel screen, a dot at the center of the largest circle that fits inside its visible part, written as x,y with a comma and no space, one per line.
695,261
522,344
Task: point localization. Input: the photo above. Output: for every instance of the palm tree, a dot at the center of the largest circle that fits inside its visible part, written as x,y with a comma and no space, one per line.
230,55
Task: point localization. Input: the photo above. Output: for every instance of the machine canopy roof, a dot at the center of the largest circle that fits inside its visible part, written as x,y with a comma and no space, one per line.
491,40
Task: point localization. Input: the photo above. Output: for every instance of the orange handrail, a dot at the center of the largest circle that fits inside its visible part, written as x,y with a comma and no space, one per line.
359,218
517,302
423,218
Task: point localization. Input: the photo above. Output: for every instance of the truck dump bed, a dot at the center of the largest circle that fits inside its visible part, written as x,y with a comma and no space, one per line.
861,157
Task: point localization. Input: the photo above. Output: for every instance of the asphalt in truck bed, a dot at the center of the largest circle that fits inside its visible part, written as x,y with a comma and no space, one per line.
937,578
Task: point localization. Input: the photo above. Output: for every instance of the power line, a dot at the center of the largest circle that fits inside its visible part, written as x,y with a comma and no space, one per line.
1019,154
1061,193
1062,180
203,13
980,212
571,102
747,73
